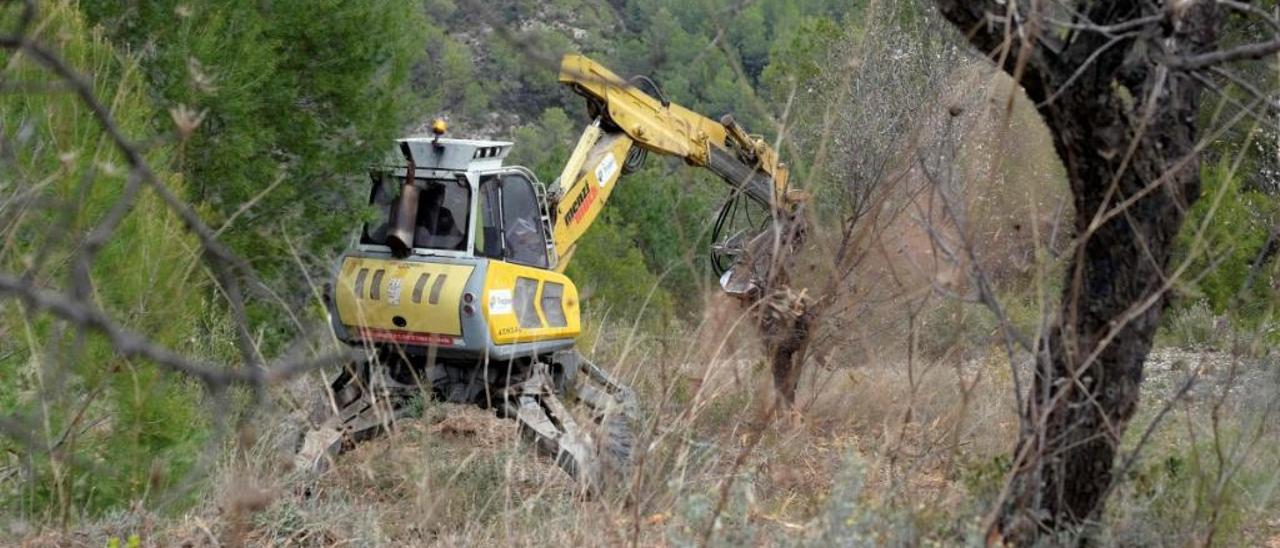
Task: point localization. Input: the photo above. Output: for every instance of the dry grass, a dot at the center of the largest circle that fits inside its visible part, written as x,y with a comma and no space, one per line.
461,476
888,450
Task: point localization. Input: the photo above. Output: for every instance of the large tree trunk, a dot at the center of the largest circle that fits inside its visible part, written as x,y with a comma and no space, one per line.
1125,129
1089,365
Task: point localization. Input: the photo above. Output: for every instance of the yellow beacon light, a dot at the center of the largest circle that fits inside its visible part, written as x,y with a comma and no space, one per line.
438,127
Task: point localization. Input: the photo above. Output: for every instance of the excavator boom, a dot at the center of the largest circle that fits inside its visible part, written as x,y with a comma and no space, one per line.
629,122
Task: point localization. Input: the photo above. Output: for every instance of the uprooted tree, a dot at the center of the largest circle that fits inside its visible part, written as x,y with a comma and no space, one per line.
1119,84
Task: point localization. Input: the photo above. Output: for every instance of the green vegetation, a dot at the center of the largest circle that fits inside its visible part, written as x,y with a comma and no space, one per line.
1231,264
1239,240
294,100
115,430
1231,279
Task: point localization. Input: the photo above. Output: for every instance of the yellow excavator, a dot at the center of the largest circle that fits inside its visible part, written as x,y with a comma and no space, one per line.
456,288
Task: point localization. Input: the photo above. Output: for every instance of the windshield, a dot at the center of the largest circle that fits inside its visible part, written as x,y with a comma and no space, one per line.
442,214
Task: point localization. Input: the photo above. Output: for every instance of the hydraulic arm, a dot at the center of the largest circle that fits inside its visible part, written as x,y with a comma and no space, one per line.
628,123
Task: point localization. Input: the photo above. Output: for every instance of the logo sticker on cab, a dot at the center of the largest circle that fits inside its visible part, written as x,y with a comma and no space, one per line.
500,301
393,292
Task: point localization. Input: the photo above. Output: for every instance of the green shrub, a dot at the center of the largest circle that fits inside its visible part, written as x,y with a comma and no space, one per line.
956,329
106,431
1233,263
297,98
985,479
615,282
1193,326
1180,491
545,146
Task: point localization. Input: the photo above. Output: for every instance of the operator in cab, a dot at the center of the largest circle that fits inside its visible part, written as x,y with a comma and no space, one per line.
436,227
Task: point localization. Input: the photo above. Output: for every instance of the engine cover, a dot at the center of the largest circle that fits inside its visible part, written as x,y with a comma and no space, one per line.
408,302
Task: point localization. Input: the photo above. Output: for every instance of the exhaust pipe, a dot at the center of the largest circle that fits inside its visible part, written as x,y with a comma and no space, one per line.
406,214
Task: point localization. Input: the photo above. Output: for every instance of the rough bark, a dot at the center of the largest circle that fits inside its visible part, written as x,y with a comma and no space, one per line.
1124,126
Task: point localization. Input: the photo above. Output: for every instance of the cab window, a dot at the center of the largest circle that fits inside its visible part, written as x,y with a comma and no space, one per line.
510,221
382,199
441,222
488,217
522,222
441,219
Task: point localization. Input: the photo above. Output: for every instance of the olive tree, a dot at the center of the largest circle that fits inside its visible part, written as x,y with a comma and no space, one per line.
1119,84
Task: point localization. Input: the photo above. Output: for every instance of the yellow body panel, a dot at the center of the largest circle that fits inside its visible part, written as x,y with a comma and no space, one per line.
585,198
500,299
404,301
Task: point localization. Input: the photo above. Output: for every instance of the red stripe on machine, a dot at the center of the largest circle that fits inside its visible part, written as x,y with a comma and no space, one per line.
406,337
580,206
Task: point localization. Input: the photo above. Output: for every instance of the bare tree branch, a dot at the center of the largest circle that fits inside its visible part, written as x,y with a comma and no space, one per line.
1243,52
125,342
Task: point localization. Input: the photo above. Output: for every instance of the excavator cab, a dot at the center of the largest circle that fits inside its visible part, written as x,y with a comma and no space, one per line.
457,254
508,204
